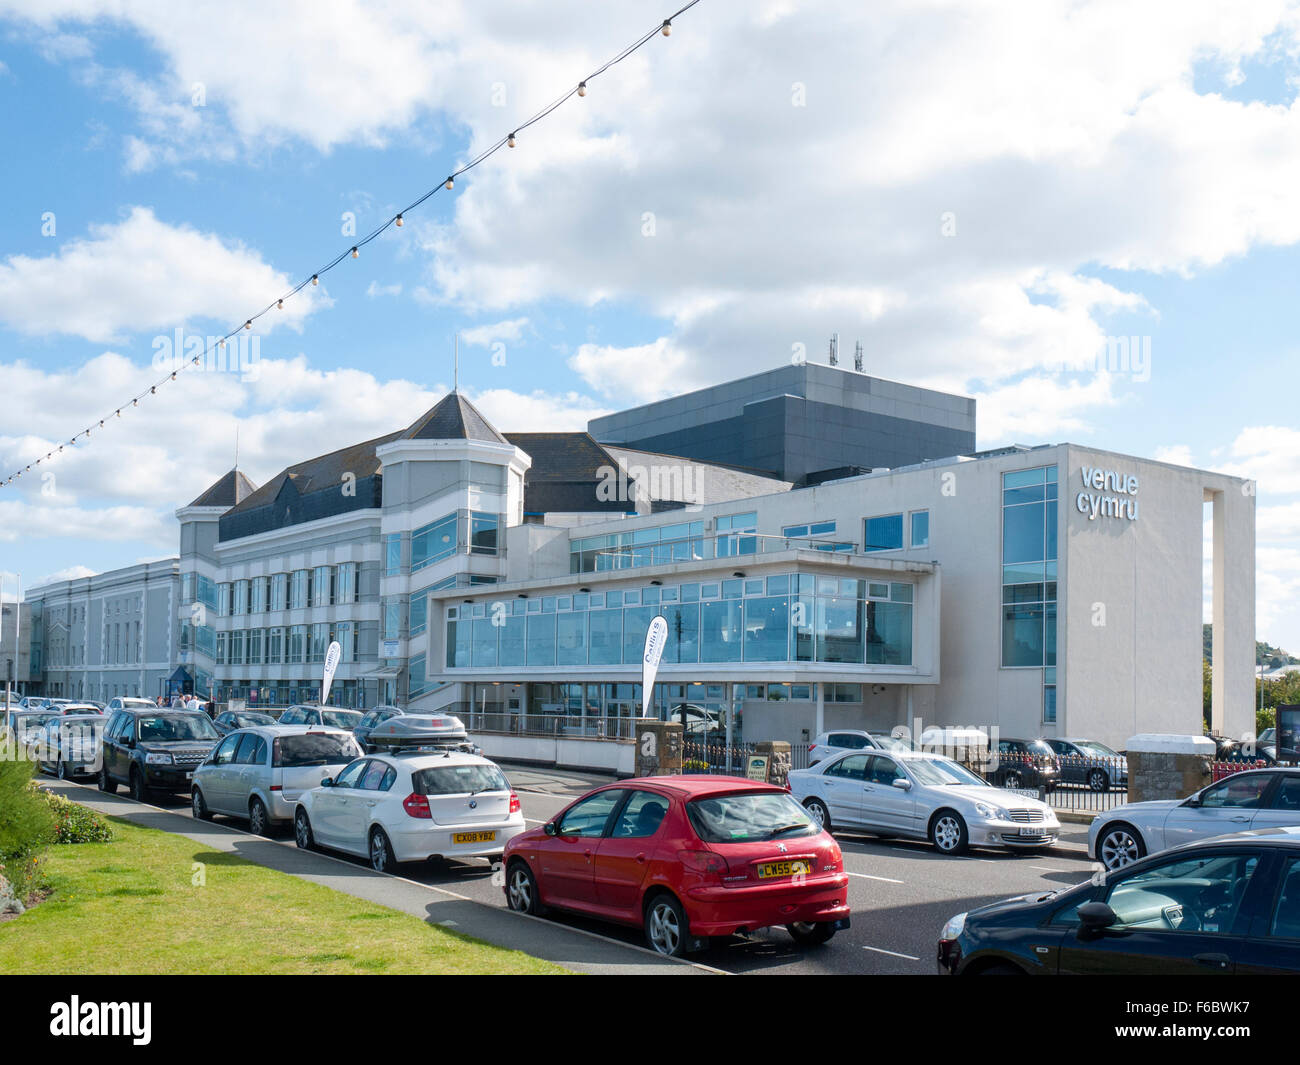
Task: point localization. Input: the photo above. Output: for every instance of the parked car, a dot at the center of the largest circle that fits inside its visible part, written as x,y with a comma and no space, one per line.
1089,762
685,858
330,716
1025,764
130,702
19,724
701,722
408,806
1256,798
920,795
154,749
69,744
79,708
34,702
829,744
230,720
1267,737
376,715
260,771
1226,905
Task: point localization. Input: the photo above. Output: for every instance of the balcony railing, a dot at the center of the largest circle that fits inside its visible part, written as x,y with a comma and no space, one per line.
701,548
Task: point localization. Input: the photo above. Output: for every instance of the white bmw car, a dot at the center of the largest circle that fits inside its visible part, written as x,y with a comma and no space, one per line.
412,806
1261,798
922,796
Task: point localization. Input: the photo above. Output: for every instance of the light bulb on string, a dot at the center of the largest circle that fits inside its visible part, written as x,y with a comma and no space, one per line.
398,221
248,324
668,27
449,183
582,88
315,280
279,305
355,254
510,141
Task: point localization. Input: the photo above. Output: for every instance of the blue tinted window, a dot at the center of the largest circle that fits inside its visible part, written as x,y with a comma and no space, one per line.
883,533
921,528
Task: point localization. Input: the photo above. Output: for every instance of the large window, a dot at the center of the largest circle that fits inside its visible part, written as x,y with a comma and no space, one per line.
298,590
433,542
884,533
392,554
651,546
279,591
322,586
731,538
483,533
920,528
239,598
786,618
1029,518
346,590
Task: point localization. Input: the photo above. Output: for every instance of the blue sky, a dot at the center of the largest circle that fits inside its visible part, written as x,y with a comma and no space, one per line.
768,175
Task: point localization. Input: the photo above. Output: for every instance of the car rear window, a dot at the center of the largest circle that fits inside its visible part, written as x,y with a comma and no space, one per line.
459,779
743,817
314,749
339,718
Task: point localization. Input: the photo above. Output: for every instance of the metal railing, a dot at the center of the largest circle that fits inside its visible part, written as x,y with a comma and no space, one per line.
554,725
710,546
1064,782
716,758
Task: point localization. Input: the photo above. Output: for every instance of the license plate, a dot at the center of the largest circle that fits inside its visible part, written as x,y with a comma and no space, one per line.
1033,831
473,837
794,867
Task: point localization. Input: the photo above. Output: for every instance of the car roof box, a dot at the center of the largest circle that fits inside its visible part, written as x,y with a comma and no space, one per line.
419,731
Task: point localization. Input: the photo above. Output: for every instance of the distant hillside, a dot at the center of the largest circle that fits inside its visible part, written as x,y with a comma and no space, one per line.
1265,653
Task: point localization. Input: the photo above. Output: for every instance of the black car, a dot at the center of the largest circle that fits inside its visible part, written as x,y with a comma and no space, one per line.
1025,764
1089,762
1225,905
154,750
230,720
376,715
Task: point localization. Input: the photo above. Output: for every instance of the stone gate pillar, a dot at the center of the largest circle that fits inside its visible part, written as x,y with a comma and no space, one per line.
658,747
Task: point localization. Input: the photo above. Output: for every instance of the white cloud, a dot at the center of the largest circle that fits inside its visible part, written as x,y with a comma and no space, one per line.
1038,408
1269,454
511,329
1175,454
68,573
632,375
140,274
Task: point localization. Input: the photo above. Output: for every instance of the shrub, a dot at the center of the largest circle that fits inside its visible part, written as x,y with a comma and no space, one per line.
76,824
26,823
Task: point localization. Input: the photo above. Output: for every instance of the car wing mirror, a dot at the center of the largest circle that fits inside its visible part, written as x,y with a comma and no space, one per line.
551,829
1094,916
327,782
1193,801
903,782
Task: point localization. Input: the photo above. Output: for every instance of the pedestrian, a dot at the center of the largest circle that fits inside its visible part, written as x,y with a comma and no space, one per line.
211,708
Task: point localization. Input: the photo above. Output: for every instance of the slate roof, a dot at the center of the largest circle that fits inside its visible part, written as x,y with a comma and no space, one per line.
453,418
230,490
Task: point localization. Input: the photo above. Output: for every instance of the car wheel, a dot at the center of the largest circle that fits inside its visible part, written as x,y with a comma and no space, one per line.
1120,845
199,806
521,890
1098,780
381,852
1011,780
811,934
139,792
61,769
665,926
948,832
259,823
818,812
302,833
106,782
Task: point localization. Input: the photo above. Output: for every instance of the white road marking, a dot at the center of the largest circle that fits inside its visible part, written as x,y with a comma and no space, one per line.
865,876
891,953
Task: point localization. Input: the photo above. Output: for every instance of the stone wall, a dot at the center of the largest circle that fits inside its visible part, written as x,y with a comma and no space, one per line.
658,747
1163,775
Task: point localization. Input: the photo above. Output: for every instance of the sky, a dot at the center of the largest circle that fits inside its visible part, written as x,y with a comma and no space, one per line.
1084,214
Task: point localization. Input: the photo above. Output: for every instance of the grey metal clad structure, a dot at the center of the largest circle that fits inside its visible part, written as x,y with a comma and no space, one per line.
797,420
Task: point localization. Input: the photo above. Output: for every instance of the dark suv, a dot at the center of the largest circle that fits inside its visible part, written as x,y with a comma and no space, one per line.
1026,764
154,750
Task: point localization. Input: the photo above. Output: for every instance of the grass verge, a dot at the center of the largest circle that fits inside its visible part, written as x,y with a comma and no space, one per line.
152,902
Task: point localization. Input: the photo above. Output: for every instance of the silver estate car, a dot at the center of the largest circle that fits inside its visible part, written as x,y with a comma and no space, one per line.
259,773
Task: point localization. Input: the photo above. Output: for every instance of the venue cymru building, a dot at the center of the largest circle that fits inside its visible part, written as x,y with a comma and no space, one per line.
829,550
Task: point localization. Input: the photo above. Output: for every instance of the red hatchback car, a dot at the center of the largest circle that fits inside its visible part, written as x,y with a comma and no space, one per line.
685,858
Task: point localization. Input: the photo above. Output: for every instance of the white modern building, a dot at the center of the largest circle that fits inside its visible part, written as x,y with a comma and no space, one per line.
1047,590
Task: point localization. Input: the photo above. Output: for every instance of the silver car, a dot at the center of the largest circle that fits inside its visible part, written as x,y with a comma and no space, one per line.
259,773
70,745
1261,798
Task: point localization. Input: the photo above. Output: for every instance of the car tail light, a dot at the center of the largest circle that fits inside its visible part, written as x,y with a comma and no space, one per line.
704,863
515,807
417,805
277,787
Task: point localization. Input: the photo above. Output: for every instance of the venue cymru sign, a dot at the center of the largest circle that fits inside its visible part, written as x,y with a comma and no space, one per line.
1107,494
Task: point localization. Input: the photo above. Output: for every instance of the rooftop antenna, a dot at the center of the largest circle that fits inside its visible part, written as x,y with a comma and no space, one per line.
835,349
455,378
236,445
857,356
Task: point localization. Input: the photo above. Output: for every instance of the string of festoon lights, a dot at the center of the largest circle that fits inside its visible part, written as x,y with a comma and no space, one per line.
354,251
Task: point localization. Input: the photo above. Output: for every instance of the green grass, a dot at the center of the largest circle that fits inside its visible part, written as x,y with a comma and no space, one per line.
131,906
